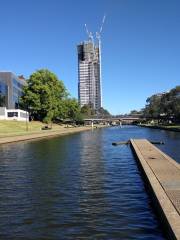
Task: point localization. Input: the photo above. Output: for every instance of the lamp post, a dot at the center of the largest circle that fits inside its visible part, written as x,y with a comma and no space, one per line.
27,120
28,108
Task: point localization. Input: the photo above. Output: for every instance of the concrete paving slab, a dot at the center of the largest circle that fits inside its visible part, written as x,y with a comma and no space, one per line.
163,175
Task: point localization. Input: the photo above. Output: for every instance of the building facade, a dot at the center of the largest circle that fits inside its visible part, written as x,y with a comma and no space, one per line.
13,114
10,89
89,75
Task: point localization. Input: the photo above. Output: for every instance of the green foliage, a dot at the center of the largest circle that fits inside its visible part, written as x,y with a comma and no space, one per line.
166,105
153,106
135,112
103,113
87,111
43,95
72,109
46,98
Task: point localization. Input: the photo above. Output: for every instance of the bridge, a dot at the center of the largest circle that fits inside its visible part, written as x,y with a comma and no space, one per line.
116,120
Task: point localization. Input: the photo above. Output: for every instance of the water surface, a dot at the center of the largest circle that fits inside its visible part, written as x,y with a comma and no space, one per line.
78,187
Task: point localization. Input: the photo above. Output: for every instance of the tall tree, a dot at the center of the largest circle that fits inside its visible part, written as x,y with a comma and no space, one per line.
153,106
165,105
43,95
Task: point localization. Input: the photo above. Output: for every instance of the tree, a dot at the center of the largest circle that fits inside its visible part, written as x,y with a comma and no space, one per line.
102,112
133,112
171,103
152,109
87,110
73,109
43,95
164,106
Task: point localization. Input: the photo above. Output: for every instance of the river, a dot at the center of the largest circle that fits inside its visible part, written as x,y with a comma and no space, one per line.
79,186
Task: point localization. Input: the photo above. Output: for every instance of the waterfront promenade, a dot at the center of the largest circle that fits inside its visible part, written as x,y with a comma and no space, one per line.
46,134
163,176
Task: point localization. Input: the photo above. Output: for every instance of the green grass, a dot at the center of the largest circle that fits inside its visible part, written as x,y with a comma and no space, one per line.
165,126
172,126
12,128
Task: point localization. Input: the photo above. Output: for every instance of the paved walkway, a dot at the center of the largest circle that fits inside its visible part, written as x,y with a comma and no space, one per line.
163,174
44,134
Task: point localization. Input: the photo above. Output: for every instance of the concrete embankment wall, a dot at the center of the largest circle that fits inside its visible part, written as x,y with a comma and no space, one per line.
46,134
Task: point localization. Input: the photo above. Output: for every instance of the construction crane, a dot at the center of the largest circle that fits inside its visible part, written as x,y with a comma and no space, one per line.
98,36
101,28
90,35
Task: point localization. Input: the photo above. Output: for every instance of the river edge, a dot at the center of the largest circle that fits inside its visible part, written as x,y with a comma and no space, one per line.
173,129
49,134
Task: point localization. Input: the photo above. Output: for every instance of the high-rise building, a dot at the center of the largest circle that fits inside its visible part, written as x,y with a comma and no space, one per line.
10,89
89,74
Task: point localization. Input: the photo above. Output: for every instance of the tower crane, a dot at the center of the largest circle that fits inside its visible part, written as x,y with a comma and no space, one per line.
95,54
98,36
90,35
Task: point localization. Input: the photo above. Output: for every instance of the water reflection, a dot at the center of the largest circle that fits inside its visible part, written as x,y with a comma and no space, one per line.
92,201
75,187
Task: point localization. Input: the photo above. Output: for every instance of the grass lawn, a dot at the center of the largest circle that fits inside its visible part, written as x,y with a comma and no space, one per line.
164,126
11,128
172,126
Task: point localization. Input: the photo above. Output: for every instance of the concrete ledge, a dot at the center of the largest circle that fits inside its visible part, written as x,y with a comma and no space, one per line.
50,133
150,159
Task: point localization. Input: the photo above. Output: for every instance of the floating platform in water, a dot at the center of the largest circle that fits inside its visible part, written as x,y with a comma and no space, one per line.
128,142
162,175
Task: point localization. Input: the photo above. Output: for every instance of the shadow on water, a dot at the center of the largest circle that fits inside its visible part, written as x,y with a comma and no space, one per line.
77,187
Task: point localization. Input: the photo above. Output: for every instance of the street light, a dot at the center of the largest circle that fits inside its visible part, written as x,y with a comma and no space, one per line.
26,121
27,116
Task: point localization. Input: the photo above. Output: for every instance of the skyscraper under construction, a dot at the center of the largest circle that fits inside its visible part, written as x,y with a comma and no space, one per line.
89,74
89,71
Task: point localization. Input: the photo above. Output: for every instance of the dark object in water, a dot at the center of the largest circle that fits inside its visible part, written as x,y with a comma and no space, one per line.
156,142
120,143
128,142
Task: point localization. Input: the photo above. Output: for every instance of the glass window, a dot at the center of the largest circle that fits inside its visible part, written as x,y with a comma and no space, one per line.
3,94
16,101
15,91
17,84
12,114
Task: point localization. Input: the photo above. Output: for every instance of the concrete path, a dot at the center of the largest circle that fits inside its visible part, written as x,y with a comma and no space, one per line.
163,175
43,134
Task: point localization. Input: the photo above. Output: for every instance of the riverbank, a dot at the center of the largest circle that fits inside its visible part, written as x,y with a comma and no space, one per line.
38,133
168,128
14,128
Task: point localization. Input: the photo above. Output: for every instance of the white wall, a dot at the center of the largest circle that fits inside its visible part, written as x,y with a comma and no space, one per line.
4,114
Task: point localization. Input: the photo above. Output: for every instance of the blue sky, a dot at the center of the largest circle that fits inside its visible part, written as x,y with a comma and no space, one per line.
140,44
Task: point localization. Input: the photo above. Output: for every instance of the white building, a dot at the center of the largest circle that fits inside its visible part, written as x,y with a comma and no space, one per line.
13,114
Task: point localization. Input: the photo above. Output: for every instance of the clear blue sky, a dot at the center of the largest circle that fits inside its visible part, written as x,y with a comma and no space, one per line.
140,44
